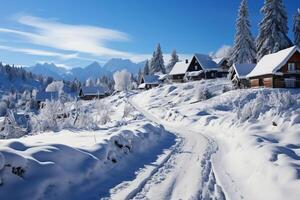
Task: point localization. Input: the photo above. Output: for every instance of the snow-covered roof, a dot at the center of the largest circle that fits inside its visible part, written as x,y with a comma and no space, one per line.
142,86
94,90
43,96
271,63
242,70
162,77
194,73
179,68
206,62
151,79
219,61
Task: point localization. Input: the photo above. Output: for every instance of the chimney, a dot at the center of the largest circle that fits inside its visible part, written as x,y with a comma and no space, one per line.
186,61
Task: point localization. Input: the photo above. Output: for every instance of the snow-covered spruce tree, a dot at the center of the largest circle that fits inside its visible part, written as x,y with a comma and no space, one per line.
146,68
244,50
89,82
173,61
140,75
122,80
272,29
157,61
296,28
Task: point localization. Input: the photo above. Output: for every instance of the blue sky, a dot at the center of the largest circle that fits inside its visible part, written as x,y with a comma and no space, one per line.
73,33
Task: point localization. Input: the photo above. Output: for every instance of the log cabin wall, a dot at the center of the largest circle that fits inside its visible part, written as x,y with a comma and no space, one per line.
194,66
268,82
178,77
294,59
254,82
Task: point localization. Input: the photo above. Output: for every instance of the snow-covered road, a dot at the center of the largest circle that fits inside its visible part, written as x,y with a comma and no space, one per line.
184,172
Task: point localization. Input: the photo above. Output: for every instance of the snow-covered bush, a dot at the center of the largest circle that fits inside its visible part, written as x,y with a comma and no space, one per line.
49,116
202,93
127,110
56,115
55,86
122,80
13,129
103,112
84,120
277,101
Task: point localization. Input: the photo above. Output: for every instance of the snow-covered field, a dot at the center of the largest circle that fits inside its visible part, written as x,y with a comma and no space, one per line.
196,140
73,164
257,132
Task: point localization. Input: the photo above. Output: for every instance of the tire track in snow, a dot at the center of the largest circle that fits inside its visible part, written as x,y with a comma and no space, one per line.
210,187
168,179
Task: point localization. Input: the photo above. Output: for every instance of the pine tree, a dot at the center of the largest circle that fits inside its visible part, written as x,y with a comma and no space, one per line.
140,75
89,82
296,28
157,61
146,68
244,50
173,61
273,28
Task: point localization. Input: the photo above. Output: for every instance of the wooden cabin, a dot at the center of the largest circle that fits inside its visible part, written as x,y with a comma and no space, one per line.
238,74
149,81
224,66
177,73
201,67
277,70
93,92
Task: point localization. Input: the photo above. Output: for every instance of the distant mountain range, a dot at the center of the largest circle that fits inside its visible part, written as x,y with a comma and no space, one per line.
94,70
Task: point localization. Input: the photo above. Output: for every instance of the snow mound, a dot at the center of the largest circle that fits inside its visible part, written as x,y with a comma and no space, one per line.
48,169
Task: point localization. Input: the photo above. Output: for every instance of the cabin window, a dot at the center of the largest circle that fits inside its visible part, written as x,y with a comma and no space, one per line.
196,67
290,82
291,67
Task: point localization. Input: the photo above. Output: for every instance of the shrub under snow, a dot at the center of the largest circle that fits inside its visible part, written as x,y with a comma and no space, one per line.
203,93
122,80
276,101
55,116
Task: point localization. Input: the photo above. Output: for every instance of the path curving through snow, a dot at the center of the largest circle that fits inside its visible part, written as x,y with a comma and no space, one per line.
184,172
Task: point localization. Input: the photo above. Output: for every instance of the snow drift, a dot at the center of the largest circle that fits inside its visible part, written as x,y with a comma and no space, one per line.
31,168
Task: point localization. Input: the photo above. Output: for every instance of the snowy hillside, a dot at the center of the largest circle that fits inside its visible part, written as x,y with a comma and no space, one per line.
17,79
257,132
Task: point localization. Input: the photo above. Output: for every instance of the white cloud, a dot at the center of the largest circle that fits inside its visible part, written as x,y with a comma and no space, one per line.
78,38
76,41
39,52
